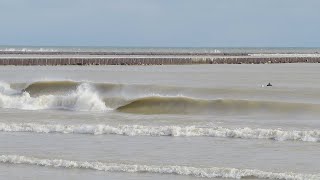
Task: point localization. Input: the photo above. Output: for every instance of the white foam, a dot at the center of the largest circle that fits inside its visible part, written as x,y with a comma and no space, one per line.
285,55
27,50
211,172
6,89
83,99
190,131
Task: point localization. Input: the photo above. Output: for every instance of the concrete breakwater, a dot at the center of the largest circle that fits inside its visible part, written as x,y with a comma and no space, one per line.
146,60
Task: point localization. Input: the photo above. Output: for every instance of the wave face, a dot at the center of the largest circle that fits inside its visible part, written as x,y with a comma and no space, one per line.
106,89
133,91
84,98
139,99
51,87
184,105
212,172
189,131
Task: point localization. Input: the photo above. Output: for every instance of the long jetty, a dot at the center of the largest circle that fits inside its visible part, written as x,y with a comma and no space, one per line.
147,58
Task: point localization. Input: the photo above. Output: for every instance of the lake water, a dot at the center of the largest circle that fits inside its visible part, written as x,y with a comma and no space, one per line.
160,122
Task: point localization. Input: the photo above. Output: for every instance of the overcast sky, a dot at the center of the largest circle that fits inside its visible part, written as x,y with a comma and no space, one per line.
181,23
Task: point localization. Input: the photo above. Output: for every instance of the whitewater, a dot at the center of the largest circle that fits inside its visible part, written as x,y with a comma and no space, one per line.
190,131
179,170
160,122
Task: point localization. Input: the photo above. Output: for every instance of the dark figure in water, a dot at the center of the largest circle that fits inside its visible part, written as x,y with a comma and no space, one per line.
269,84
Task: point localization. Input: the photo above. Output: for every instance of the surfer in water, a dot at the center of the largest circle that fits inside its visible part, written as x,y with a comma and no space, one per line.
269,84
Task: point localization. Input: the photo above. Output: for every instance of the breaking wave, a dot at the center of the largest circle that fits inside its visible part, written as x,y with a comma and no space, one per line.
185,105
84,98
212,172
142,90
189,131
139,99
106,89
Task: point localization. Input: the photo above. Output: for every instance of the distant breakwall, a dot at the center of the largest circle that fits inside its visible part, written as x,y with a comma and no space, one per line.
54,61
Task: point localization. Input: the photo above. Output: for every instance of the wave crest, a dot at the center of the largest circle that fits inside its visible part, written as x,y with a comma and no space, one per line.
184,131
212,172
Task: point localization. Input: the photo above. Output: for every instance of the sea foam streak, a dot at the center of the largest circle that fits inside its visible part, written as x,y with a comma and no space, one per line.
212,172
189,131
